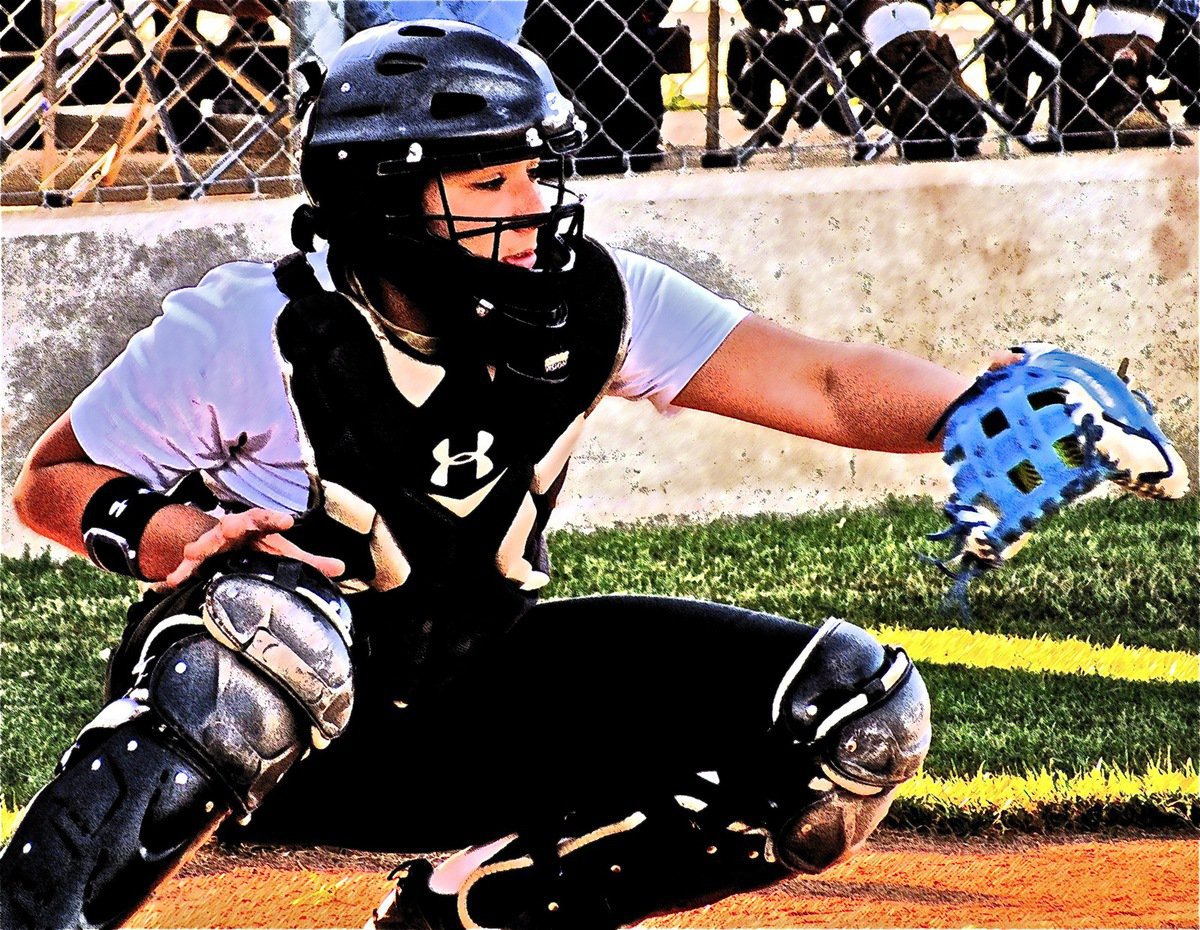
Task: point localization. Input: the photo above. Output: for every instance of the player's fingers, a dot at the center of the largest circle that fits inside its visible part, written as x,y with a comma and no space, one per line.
276,545
232,531
209,544
326,565
1003,358
196,553
182,573
255,521
237,529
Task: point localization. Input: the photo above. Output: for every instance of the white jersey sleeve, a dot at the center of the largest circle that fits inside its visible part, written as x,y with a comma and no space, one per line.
675,327
201,389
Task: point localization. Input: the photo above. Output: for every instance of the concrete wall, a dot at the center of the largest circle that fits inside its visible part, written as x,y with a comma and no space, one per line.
1095,252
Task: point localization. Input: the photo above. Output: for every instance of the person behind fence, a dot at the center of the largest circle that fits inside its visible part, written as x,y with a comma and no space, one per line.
338,470
249,55
1134,40
1104,66
907,77
610,57
503,18
1178,54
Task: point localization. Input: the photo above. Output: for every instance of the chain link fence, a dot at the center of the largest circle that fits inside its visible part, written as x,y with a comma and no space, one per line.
133,99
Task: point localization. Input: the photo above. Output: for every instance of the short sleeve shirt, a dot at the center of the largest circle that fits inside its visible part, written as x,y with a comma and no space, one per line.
202,388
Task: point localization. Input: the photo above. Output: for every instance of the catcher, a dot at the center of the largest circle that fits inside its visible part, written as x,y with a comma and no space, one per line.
339,468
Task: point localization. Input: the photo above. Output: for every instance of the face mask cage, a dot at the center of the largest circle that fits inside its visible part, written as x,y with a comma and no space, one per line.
563,221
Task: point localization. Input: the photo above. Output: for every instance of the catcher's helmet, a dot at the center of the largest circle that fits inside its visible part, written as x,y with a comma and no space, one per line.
403,103
406,99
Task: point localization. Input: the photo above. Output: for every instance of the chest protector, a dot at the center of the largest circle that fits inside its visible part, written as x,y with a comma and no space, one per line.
434,478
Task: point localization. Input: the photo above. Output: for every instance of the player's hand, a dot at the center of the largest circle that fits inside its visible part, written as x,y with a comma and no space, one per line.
1002,358
257,529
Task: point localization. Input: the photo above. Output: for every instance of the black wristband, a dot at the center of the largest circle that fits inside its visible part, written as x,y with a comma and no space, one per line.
970,393
115,519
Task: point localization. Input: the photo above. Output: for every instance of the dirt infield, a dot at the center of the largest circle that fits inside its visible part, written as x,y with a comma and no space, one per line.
1074,882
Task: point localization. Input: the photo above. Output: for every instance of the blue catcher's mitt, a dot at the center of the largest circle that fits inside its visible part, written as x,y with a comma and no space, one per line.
1030,437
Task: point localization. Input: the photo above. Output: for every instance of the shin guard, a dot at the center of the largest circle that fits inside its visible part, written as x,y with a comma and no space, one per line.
123,813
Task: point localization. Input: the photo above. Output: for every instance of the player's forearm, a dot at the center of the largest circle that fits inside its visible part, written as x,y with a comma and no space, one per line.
861,396
51,499
887,400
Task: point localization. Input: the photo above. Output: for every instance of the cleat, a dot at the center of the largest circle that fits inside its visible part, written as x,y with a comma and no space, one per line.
412,904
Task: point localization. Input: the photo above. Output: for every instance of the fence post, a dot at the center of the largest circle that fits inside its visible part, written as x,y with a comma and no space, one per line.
49,113
712,129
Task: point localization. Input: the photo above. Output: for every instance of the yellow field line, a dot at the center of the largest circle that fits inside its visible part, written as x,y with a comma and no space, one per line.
1042,654
8,821
984,791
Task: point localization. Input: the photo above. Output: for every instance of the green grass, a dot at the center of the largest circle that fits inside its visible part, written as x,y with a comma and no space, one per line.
1174,810
1009,721
57,621
1105,570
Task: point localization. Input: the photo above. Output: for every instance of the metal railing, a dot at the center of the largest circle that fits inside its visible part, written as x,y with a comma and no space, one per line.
125,99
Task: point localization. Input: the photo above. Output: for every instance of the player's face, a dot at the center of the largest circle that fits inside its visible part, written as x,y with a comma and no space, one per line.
501,192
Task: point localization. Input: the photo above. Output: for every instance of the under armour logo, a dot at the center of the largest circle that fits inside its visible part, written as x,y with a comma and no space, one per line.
483,465
117,508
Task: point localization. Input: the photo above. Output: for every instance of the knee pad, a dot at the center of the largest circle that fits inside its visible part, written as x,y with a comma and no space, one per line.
289,623
854,717
232,717
860,709
268,677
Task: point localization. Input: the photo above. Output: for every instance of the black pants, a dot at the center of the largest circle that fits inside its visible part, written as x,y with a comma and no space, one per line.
588,705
